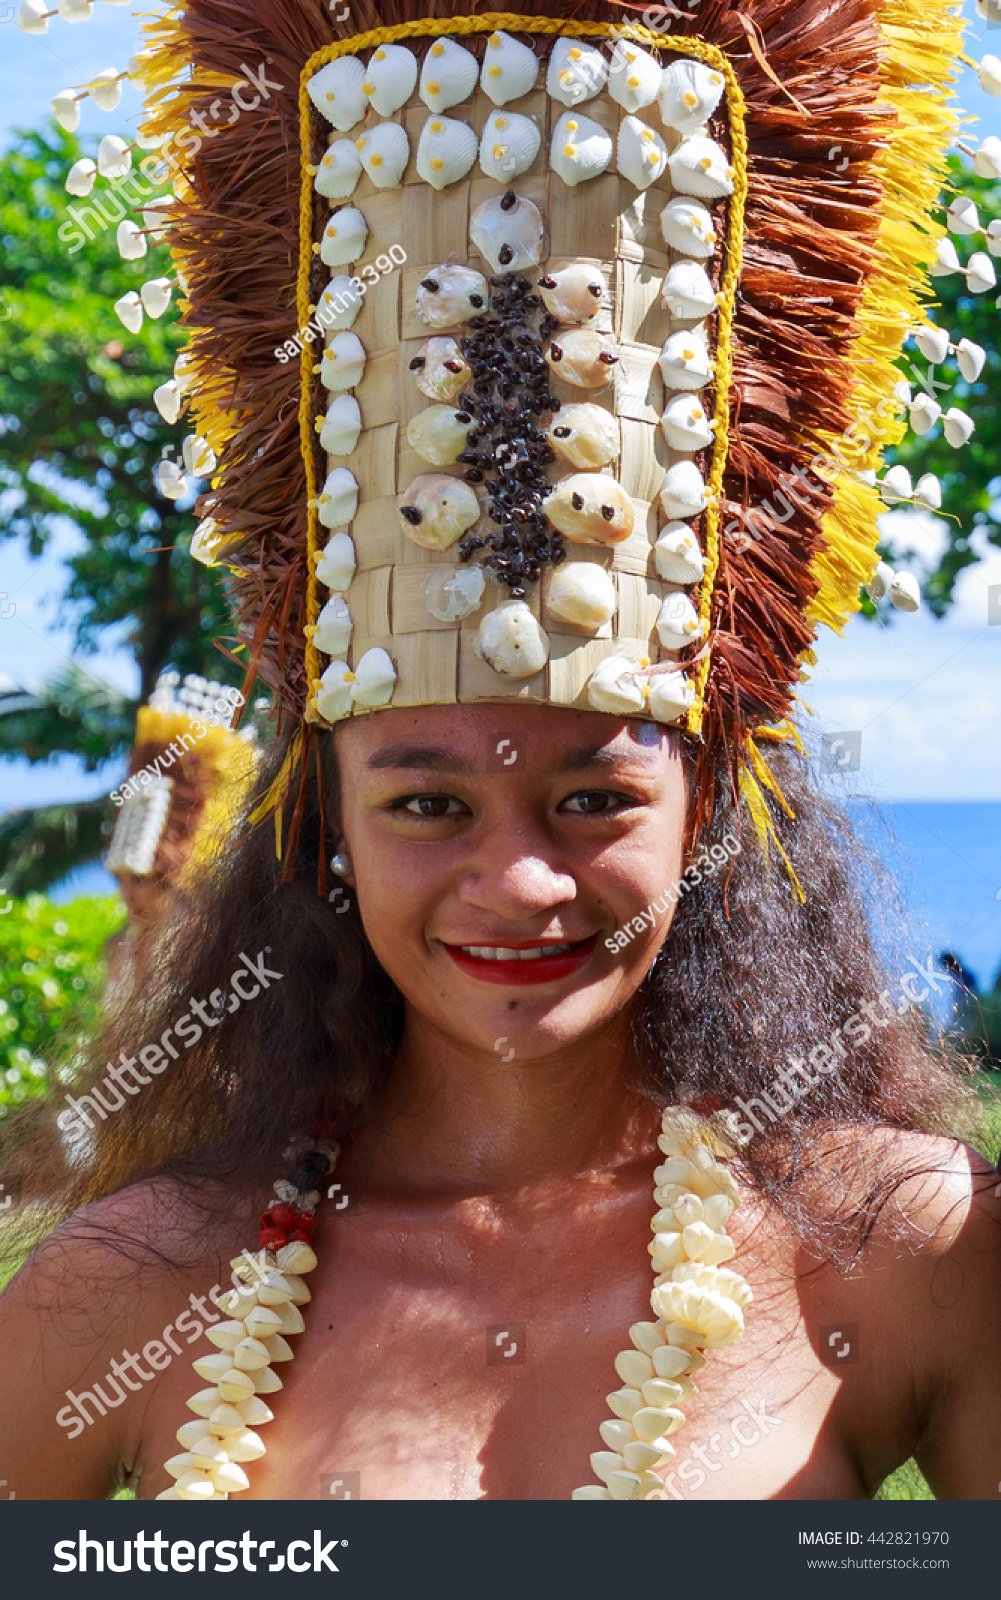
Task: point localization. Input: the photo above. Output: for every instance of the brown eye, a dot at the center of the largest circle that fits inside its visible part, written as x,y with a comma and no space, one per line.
431,805
590,803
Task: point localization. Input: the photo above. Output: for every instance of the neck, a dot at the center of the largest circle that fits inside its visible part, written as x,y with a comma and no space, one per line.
457,1120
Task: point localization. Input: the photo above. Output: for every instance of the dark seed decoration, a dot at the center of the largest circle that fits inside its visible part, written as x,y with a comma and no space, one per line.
412,515
556,352
608,358
508,200
505,255
476,300
417,364
431,285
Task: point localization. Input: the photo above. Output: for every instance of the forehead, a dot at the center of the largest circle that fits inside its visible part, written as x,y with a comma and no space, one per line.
500,738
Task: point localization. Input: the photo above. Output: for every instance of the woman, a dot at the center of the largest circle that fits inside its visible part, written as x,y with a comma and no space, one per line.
577,913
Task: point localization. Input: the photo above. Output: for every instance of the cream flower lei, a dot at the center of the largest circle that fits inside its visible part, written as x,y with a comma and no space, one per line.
697,1301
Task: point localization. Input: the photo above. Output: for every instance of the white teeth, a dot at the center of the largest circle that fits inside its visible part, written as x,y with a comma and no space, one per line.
493,952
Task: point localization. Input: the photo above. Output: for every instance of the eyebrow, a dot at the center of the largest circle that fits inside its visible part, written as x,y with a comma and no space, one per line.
580,760
433,758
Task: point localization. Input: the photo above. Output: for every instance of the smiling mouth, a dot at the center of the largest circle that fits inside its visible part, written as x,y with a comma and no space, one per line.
499,952
523,964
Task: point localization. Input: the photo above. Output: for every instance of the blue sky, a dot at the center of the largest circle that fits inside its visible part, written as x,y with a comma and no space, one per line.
926,695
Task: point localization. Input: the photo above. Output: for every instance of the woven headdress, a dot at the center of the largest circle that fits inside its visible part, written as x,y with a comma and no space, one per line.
550,358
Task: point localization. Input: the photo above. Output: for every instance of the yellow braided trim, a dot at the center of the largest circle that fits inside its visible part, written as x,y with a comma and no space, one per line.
723,372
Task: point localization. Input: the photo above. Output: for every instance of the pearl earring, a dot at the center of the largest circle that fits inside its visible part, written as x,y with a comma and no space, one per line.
340,863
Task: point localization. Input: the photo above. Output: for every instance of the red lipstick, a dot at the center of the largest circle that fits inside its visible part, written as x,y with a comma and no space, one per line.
518,972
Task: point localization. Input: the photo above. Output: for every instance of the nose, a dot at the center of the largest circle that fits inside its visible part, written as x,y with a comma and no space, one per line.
513,877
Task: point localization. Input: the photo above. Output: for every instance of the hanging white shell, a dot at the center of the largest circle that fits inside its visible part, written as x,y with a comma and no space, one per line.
167,399
114,158
333,697
509,145
634,76
510,69
339,304
389,78
989,72
583,593
585,435
384,151
685,424
336,562
896,486
946,260
511,640
332,636
339,170
684,362
573,293
615,687
155,296
438,435
957,427
453,593
671,695
443,371
699,166
687,227
962,216
905,592
106,89
445,151
641,154
933,342
451,294
928,491
980,273
970,358
583,358
678,623
690,92
436,510
130,240
341,426
590,508
924,413
577,72
677,554
198,456
343,239
683,492
994,237
580,148
129,311
688,291
448,75
508,232
337,501
80,177
343,362
336,92
987,157
375,678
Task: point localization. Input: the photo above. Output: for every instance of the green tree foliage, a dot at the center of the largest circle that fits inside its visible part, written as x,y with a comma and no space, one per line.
52,973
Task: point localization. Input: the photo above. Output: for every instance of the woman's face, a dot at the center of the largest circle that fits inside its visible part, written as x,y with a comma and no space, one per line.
495,850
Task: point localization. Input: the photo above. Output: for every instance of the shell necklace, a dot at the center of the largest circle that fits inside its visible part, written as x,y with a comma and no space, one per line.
698,1304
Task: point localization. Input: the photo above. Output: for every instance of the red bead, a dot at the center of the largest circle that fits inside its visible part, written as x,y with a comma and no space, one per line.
273,1238
304,1221
299,1237
278,1215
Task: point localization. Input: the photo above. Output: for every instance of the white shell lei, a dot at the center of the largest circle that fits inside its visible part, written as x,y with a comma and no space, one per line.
698,1303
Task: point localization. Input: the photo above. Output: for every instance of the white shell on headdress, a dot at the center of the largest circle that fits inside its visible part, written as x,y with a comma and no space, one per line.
577,72
980,273
573,293
641,154
690,92
511,640
970,358
459,293
699,166
671,695
384,151
114,158
688,291
683,492
990,75
585,435
339,304
957,427
634,77
583,357
453,593
336,562
333,697
508,234
437,435
509,70
446,507
333,627
338,499
685,424
434,378
336,92
167,399
446,151
343,362
677,554
341,426
338,171
905,592
685,362
687,227
896,486
106,89
375,678
198,456
590,508
933,342
389,78
986,157
509,145
923,414
129,311
448,75
580,148
928,492
946,260
678,623
583,593
614,687
343,239
962,216
994,237
156,296
80,177
880,582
